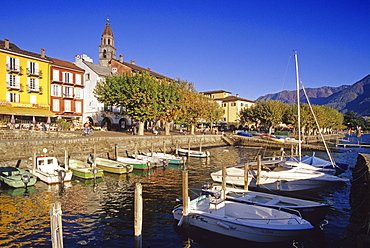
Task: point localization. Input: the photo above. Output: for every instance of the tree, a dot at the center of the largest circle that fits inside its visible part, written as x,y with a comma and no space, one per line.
138,93
169,98
192,106
213,112
268,112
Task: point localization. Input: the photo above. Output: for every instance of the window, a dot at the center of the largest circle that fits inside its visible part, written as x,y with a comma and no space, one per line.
67,92
12,81
233,104
33,99
56,103
67,106
77,93
224,105
55,89
78,107
12,64
67,77
87,77
56,75
12,97
78,79
32,84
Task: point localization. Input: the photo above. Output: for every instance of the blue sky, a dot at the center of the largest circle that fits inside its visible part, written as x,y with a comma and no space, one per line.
240,46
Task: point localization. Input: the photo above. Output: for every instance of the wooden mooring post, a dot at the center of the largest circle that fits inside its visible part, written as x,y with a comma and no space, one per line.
185,199
138,215
56,225
246,170
224,175
259,165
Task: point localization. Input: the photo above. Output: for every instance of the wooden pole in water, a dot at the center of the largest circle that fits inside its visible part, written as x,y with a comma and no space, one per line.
66,160
138,215
189,148
200,145
246,170
224,175
115,152
177,146
135,152
152,151
292,151
34,163
258,169
185,195
164,146
94,162
56,225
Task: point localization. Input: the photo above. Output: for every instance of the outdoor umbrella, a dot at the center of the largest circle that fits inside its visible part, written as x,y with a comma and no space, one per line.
34,120
49,120
12,120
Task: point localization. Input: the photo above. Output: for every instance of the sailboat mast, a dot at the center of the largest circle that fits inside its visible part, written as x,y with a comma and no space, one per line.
299,108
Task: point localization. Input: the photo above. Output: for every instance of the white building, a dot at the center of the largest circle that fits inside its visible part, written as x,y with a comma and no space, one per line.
100,114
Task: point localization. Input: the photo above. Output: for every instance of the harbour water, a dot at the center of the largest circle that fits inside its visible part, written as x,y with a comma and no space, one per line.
100,214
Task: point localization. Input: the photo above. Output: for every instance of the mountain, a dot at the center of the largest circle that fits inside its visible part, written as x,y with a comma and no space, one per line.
344,98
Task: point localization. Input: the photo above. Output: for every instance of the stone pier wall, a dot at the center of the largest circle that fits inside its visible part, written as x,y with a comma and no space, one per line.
81,147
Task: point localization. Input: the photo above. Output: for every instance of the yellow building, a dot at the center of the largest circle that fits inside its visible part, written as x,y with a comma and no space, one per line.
231,105
24,84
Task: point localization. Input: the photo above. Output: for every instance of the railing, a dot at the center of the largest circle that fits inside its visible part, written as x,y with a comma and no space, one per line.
70,96
14,69
14,86
34,89
34,73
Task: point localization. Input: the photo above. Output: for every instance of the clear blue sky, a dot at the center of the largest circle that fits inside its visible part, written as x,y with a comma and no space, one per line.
239,46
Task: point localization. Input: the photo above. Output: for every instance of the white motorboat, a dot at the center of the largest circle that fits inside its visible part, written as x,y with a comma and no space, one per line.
286,180
136,163
312,211
169,158
193,153
243,221
49,171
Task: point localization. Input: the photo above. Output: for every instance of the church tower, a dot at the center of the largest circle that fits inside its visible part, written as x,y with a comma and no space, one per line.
107,51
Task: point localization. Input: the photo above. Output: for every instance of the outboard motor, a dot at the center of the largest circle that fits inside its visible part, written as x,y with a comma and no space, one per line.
25,180
206,186
62,174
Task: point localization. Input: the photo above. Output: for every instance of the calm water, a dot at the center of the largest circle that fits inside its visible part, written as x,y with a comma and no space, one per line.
101,214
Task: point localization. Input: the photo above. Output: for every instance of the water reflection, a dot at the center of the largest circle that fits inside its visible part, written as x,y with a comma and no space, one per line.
100,213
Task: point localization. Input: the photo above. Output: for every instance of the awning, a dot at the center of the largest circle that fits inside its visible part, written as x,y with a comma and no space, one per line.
5,110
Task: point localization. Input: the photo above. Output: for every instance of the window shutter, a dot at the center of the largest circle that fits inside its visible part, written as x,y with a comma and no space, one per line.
8,96
78,79
17,81
56,75
8,60
37,68
37,83
70,78
17,64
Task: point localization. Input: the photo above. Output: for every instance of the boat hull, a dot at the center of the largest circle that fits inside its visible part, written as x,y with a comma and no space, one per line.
12,177
113,166
312,211
192,153
243,226
291,182
137,164
53,178
83,170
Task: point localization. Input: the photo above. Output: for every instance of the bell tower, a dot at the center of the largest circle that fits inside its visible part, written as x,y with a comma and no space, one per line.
107,51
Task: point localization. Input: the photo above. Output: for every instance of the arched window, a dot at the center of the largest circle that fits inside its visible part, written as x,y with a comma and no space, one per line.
104,54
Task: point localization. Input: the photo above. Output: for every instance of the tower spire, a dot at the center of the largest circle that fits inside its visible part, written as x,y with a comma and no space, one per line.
107,51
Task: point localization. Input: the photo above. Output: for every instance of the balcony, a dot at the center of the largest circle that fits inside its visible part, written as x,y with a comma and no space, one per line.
14,86
34,89
34,73
14,69
68,96
68,83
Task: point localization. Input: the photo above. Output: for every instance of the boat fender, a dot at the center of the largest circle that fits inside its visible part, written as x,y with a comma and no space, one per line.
148,164
223,225
128,167
95,171
181,221
62,174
